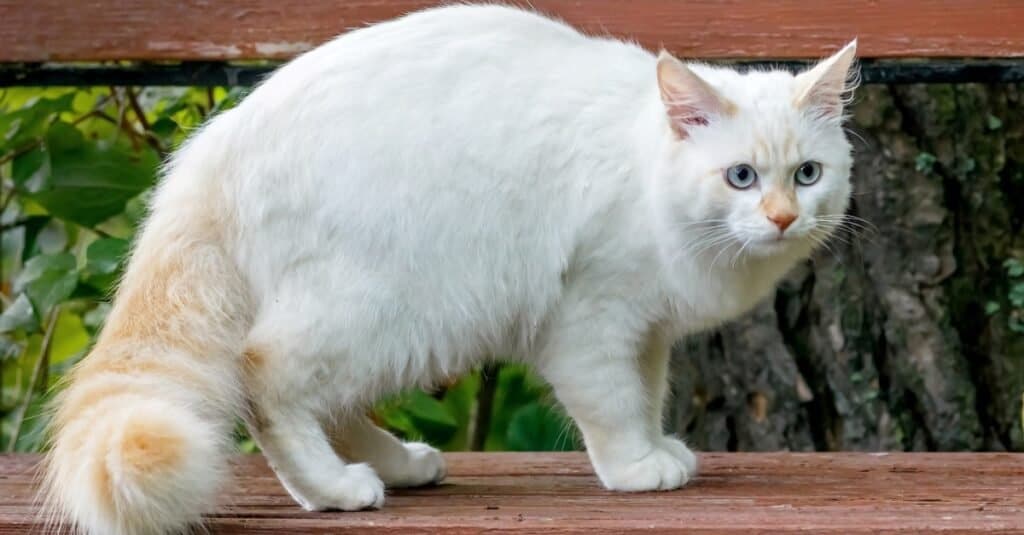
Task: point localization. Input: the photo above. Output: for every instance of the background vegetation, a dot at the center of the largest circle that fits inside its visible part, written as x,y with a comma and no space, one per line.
910,337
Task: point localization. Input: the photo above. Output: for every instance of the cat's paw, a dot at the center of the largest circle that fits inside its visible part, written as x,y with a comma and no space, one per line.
661,469
423,465
359,489
677,448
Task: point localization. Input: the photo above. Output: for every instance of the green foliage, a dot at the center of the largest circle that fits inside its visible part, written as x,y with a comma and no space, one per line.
76,166
993,122
1014,269
521,419
79,180
538,427
924,162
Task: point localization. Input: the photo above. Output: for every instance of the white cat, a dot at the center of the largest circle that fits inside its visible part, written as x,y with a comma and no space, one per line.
398,205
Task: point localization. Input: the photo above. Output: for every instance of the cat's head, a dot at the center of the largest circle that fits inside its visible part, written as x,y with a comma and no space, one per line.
758,164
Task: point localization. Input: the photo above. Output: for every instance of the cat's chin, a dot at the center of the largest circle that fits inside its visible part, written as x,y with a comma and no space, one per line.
774,247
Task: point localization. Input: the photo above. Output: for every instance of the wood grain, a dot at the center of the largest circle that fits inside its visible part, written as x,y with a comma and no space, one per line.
738,493
217,30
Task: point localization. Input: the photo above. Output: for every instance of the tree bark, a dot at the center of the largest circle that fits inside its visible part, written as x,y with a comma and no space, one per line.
890,340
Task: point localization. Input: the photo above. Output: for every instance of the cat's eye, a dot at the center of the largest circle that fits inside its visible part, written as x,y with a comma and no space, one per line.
741,176
808,173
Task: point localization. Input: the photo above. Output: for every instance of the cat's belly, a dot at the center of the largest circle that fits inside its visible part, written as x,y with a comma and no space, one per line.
378,322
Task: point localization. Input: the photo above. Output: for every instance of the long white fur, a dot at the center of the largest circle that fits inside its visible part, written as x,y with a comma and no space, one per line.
396,205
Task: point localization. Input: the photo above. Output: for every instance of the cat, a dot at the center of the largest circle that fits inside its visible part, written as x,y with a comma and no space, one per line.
396,206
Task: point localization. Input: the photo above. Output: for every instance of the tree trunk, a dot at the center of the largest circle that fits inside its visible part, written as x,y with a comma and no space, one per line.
892,340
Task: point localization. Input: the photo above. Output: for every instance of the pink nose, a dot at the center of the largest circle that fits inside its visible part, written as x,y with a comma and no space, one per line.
783,220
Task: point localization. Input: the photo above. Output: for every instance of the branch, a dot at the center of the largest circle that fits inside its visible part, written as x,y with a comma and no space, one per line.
484,405
149,136
37,374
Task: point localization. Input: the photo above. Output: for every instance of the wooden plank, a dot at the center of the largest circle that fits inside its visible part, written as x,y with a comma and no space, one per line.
95,30
738,493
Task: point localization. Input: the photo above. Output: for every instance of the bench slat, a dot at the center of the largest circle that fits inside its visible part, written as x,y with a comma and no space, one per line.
738,493
96,30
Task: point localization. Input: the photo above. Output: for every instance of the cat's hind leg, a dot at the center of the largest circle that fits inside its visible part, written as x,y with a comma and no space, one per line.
287,421
399,464
300,453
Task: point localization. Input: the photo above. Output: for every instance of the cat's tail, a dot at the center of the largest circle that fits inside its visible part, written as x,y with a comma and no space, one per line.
140,436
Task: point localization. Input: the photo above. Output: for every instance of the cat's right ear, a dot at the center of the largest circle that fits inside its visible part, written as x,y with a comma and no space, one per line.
688,99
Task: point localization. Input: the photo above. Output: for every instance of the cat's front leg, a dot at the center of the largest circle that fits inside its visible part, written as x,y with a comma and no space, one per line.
654,366
601,372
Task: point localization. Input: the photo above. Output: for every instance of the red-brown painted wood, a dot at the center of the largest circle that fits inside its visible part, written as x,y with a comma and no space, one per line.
93,30
738,493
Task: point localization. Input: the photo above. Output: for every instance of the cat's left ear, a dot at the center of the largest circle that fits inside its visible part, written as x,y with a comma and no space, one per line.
825,88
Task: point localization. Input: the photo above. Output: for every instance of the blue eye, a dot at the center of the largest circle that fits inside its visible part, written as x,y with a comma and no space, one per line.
808,173
741,176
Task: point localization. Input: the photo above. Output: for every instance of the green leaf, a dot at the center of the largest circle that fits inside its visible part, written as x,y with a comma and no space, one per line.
538,427
924,162
991,307
47,280
103,260
460,402
993,122
83,181
1014,267
33,226
430,417
1016,324
515,389
33,426
390,414
19,316
164,128
1016,295
230,100
30,122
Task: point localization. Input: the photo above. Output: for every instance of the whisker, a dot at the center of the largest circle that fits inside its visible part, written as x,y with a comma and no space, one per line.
711,268
857,135
852,220
740,252
822,242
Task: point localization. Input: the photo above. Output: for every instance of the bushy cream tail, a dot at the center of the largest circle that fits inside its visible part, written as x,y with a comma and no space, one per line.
140,434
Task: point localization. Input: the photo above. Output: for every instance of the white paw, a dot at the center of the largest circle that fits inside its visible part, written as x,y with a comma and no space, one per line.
678,448
661,469
424,466
359,489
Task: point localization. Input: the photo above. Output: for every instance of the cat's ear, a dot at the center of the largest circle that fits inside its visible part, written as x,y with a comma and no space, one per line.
689,100
826,87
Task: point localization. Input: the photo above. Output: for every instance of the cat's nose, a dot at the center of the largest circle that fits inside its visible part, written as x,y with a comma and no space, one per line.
782,220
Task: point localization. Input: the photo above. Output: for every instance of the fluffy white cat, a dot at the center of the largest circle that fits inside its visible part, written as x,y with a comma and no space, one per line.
397,205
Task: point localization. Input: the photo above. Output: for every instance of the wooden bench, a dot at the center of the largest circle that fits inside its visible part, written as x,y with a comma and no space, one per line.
235,42
230,42
848,493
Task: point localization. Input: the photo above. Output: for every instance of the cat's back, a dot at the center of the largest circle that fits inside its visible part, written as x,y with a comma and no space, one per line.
448,63
436,120
451,45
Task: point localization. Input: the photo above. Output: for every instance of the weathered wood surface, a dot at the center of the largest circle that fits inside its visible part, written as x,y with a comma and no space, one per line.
91,30
556,493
